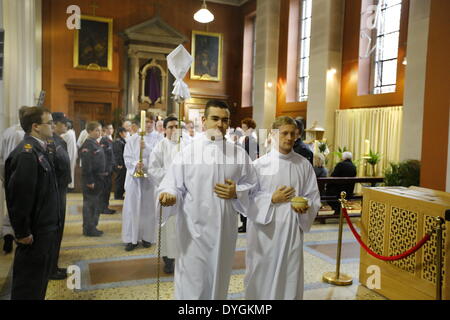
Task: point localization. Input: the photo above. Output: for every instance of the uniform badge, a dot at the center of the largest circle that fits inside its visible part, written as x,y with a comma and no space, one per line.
28,147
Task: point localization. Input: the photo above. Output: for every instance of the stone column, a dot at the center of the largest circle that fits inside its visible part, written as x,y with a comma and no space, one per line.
133,82
415,74
23,73
266,62
325,64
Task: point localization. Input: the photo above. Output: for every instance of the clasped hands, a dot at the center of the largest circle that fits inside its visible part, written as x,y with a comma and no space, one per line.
223,191
285,194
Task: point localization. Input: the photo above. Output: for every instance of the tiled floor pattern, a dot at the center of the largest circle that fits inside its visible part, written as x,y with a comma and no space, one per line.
109,272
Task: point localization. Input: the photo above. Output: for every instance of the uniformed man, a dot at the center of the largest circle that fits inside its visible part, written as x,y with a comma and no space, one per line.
32,199
92,177
120,169
61,160
107,144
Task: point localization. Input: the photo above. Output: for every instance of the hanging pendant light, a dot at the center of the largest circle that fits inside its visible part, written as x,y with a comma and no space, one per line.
203,15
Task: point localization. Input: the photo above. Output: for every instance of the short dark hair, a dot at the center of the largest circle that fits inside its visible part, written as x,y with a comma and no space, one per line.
22,111
30,116
121,129
249,122
300,125
91,126
216,104
167,120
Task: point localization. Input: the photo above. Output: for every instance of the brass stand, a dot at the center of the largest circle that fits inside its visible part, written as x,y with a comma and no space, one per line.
141,172
159,254
337,278
439,228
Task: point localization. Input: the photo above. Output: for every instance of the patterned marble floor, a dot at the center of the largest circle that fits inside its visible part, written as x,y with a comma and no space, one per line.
108,250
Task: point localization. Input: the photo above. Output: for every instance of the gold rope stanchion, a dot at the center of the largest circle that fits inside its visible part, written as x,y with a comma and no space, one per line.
439,228
159,254
338,278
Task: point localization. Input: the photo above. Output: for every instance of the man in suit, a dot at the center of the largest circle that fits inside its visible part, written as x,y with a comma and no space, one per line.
120,169
299,146
32,198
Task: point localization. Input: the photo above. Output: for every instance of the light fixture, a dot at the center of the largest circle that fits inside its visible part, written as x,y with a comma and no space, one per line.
203,15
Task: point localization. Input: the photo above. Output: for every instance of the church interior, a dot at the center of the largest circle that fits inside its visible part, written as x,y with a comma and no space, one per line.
370,77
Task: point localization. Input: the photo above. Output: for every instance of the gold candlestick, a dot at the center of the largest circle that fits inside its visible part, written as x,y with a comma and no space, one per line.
140,173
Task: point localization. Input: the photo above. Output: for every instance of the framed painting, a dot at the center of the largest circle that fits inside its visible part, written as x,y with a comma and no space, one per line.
93,44
207,54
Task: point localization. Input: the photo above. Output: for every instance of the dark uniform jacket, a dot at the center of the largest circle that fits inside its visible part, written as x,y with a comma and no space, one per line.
31,190
93,161
61,160
118,148
107,146
302,149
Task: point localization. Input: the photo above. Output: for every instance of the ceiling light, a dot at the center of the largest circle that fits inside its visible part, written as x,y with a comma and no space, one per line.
203,15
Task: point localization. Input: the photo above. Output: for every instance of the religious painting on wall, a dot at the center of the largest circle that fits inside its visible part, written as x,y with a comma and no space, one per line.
207,53
93,44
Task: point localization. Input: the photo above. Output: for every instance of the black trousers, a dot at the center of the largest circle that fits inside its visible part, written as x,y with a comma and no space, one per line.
244,221
63,193
92,205
31,268
106,191
120,182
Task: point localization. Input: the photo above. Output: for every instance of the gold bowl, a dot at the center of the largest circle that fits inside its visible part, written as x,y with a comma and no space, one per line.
299,203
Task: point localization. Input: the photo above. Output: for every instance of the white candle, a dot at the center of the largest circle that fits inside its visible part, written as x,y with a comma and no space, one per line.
367,146
142,120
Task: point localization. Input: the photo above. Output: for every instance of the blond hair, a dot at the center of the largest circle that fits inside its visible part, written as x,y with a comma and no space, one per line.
283,120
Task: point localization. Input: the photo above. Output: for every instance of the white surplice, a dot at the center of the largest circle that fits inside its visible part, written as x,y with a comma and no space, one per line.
160,160
9,140
206,224
138,214
71,140
274,259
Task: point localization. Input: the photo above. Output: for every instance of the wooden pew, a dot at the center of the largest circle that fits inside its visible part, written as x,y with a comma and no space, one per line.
322,182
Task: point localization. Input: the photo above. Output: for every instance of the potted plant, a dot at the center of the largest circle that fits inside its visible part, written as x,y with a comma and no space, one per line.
405,174
373,158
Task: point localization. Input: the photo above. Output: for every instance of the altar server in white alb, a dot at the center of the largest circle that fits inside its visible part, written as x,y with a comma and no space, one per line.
9,140
160,160
71,140
138,214
208,182
274,258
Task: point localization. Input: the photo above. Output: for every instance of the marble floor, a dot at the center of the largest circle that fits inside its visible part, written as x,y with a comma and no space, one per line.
109,272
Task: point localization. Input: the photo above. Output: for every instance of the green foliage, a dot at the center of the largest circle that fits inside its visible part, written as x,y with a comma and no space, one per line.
322,147
374,158
405,174
339,152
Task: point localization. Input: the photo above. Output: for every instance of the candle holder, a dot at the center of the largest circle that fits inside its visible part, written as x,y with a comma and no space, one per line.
140,173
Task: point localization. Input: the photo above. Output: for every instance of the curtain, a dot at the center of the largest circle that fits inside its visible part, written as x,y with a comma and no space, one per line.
381,126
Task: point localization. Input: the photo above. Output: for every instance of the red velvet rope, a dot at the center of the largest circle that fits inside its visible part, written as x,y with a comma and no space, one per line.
376,255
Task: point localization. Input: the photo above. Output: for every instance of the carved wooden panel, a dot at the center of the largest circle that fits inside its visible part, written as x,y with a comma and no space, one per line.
429,252
402,237
377,217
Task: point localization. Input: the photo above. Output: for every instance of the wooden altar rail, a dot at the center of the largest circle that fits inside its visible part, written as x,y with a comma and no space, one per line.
322,182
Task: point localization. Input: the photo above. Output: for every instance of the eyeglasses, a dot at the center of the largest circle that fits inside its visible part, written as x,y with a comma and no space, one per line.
50,123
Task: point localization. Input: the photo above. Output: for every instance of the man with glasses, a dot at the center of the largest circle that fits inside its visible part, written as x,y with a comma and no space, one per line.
32,199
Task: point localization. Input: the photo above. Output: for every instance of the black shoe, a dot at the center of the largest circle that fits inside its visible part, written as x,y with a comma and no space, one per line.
58,275
8,243
242,229
109,211
93,233
146,244
62,270
169,265
130,246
